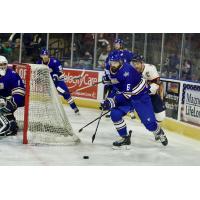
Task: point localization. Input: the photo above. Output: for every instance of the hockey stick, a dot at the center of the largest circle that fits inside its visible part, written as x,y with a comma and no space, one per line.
94,135
80,130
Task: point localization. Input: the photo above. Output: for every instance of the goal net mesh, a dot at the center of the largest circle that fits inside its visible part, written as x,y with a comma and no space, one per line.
47,120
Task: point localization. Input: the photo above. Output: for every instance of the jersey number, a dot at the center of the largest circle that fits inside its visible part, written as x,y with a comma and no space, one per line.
128,87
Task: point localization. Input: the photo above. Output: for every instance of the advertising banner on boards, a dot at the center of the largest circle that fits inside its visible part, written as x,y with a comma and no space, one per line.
171,98
190,111
80,83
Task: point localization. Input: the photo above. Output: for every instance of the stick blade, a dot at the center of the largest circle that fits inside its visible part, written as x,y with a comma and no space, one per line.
80,130
93,137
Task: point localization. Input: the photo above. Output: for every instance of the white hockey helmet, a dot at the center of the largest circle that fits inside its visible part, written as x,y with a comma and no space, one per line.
3,65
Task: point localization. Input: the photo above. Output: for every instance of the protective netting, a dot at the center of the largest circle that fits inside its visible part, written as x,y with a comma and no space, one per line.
47,120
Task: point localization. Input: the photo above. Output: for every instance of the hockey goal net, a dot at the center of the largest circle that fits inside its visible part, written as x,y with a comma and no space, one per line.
42,119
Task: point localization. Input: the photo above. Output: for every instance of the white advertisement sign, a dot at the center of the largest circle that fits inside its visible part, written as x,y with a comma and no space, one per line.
191,110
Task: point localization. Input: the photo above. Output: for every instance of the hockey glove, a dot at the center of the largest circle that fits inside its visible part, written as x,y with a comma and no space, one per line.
106,80
55,77
4,110
9,106
2,102
108,104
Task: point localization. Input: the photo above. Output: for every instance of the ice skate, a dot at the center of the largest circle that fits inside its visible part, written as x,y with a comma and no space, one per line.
156,136
76,111
123,143
162,137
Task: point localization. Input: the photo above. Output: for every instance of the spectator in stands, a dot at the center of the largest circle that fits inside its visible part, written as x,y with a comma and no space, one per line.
33,44
86,60
27,39
102,42
6,49
171,67
104,54
75,57
186,70
37,44
88,43
15,51
75,53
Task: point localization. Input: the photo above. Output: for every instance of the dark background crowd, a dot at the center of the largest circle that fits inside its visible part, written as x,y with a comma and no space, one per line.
176,55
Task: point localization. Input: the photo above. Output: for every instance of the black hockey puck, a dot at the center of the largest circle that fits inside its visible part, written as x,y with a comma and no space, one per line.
85,157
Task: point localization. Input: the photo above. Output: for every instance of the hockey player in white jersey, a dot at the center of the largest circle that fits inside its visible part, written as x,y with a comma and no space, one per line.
150,73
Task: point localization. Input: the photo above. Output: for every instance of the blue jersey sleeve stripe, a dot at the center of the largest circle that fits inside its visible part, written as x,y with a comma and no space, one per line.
21,94
16,88
139,86
18,91
139,89
144,86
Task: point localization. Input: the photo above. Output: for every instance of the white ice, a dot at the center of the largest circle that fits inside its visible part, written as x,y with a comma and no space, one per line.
144,150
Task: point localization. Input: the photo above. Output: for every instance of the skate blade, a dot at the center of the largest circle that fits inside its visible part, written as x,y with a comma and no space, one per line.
124,147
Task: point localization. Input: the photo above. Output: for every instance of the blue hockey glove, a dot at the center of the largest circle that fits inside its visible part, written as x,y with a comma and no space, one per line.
106,80
7,106
55,77
4,110
2,102
108,104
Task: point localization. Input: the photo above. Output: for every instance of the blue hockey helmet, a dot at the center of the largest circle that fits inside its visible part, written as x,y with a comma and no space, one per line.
137,58
116,56
115,62
44,52
120,41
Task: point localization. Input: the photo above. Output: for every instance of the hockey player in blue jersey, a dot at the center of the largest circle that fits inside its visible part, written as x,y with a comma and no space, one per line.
58,77
126,57
132,91
12,95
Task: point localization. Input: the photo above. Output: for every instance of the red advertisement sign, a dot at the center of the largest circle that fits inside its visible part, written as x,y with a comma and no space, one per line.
80,83
21,70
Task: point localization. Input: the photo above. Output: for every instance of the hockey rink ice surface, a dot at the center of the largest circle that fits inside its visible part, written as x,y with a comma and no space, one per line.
181,151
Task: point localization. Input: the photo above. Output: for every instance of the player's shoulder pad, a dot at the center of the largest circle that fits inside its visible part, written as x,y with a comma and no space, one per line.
12,74
11,71
150,66
53,59
151,70
125,69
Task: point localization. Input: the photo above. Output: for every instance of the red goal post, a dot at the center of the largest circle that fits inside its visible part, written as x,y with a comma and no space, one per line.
24,71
